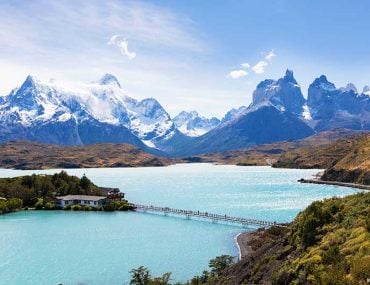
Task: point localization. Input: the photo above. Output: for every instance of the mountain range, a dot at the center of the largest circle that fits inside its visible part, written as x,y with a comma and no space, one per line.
97,112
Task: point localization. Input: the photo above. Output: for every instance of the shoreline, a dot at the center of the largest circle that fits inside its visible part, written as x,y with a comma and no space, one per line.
241,240
238,246
335,183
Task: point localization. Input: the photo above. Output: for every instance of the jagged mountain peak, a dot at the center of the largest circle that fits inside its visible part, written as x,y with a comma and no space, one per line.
332,107
31,81
187,114
109,79
284,93
323,83
192,124
289,76
233,113
26,97
43,103
348,88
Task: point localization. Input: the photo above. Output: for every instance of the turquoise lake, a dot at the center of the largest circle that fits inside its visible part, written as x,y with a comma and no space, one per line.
40,247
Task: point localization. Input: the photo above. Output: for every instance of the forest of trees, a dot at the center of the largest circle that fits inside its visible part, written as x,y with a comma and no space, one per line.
142,275
39,191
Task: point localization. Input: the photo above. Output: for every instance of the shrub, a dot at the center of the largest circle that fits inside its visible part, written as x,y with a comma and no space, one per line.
109,207
39,204
360,269
49,206
367,220
331,255
14,204
67,208
3,207
121,205
97,208
76,208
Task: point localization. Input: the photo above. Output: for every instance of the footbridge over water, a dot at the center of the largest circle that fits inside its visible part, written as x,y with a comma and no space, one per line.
206,215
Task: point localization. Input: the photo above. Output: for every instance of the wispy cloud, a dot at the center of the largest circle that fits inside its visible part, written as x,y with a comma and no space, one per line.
73,24
122,44
258,68
245,65
270,55
235,74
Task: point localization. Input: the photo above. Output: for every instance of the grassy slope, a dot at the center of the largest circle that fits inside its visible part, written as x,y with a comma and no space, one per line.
270,153
32,155
354,166
346,160
328,243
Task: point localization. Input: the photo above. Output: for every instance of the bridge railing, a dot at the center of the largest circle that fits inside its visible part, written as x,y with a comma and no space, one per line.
206,215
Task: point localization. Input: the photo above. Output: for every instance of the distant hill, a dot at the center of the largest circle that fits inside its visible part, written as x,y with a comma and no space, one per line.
32,155
267,154
354,166
345,160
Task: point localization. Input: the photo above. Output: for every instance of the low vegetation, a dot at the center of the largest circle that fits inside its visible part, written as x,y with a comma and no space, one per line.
11,205
39,192
268,154
33,155
327,243
345,160
142,275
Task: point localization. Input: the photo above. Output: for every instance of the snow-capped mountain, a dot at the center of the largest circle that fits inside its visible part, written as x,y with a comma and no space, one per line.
39,104
366,90
280,112
349,87
274,115
233,113
75,114
194,125
284,93
331,107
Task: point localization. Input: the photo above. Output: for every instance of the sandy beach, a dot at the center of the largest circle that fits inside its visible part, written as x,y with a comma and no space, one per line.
242,240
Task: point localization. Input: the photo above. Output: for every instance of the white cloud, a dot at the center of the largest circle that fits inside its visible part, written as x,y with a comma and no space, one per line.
259,68
270,55
245,65
122,44
235,74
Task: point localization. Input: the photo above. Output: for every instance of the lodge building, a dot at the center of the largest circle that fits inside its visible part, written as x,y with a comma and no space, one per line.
110,194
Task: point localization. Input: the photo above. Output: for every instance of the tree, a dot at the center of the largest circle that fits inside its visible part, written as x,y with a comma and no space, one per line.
85,183
140,276
45,188
219,263
14,204
162,280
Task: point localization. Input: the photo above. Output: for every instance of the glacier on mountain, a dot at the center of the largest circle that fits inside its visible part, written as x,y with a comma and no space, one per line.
194,125
37,102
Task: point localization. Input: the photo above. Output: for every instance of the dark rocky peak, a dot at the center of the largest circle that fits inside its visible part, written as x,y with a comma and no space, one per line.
285,93
289,77
323,83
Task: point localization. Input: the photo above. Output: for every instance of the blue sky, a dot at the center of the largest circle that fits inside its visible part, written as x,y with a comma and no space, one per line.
183,52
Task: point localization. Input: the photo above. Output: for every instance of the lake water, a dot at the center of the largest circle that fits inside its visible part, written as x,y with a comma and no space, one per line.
39,247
